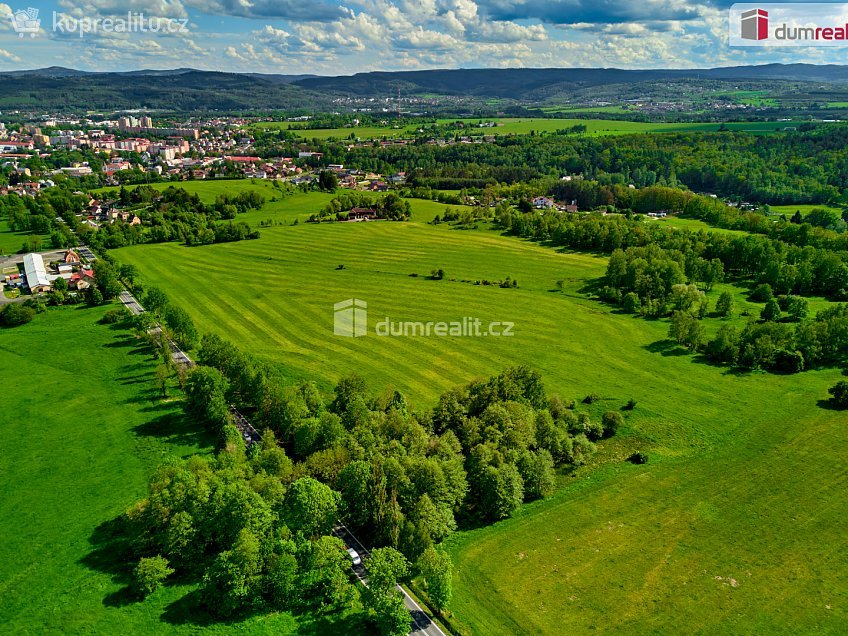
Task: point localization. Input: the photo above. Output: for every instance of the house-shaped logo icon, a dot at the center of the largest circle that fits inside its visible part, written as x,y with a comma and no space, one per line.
26,21
350,318
755,24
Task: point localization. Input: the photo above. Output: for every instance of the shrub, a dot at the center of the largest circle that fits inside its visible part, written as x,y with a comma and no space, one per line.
36,304
631,404
797,307
638,458
786,361
93,296
611,422
631,303
116,315
14,314
771,312
150,573
724,305
593,430
762,293
592,397
839,394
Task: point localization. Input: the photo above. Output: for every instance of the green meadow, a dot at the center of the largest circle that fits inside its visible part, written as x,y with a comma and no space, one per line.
82,429
752,98
689,224
737,523
280,206
11,242
803,208
507,126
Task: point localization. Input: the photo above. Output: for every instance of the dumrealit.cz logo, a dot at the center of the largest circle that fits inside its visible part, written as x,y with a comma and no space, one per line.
350,318
754,24
788,24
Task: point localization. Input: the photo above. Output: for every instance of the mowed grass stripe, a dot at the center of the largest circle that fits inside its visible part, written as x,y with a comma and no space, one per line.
745,471
198,264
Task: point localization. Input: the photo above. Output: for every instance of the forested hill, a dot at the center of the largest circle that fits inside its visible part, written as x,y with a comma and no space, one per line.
181,90
523,81
186,89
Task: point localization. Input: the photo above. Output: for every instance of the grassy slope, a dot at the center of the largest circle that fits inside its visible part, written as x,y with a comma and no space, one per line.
81,433
690,224
803,208
745,473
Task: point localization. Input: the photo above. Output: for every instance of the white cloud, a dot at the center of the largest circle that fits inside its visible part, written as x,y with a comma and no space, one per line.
425,39
9,56
153,8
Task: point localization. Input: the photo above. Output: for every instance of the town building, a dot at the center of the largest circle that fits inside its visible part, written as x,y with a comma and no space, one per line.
36,274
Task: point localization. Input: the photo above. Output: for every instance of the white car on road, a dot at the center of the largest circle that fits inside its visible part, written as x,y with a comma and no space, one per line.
354,556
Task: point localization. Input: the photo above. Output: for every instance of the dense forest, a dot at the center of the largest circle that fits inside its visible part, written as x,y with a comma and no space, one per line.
809,165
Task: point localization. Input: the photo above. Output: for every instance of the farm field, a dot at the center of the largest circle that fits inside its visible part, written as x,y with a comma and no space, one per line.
803,208
737,522
82,431
752,98
595,127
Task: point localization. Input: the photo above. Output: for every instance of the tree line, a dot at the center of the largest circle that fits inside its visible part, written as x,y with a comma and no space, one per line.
253,526
659,256
803,166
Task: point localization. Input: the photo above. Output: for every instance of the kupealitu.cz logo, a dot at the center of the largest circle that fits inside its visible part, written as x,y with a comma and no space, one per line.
26,22
788,24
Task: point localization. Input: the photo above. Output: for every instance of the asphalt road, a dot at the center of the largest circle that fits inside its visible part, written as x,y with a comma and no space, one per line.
135,308
131,303
422,624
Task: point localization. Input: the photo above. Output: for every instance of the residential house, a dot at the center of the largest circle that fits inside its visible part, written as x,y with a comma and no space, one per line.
543,203
71,257
81,280
362,214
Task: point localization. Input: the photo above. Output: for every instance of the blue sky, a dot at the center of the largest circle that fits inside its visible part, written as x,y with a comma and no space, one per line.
323,37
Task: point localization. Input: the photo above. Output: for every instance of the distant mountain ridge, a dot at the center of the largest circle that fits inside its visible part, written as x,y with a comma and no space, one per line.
505,82
61,71
186,89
